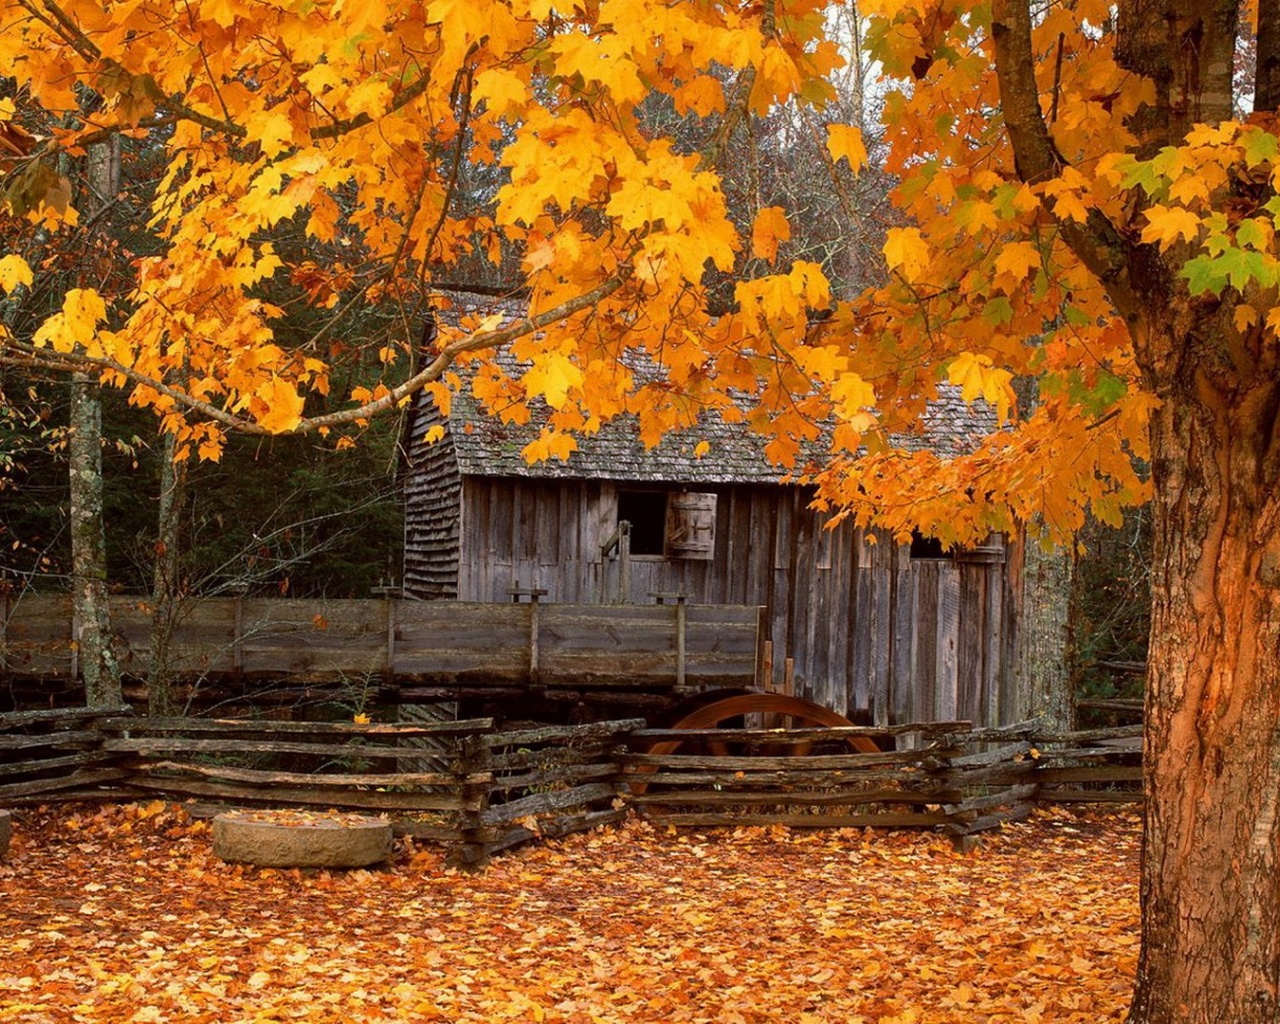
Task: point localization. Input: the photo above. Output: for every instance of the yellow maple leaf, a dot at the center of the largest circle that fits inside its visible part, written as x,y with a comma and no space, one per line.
770,227
281,406
907,252
1167,224
1245,317
978,378
1018,259
551,376
13,272
549,445
703,96
82,311
844,140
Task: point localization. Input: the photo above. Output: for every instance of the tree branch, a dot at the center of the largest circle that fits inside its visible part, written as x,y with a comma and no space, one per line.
738,106
29,355
1096,243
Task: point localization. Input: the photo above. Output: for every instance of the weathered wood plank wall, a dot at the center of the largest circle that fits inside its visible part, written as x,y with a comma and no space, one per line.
432,494
870,631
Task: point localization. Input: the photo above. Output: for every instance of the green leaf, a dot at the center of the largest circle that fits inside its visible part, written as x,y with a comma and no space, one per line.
1143,174
1098,397
1204,274
1244,267
1255,234
1259,147
997,311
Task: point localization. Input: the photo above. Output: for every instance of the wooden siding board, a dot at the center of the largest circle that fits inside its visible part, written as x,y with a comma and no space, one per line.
993,663
948,642
860,584
433,486
841,607
763,506
884,702
828,690
881,619
971,625
802,607
920,699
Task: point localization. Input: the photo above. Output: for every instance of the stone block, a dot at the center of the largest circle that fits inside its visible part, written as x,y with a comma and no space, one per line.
291,839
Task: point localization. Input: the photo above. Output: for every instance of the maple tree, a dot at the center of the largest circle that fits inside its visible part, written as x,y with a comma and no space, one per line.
1088,211
123,913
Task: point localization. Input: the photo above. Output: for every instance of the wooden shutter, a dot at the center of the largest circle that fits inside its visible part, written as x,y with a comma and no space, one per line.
691,526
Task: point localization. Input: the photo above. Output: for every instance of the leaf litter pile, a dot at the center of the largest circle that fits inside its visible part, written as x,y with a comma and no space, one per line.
123,914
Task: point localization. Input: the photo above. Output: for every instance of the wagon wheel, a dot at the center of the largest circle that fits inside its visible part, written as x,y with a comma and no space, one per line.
715,714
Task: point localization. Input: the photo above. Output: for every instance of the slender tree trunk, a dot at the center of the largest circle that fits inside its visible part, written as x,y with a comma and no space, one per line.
91,610
1211,869
166,587
1043,682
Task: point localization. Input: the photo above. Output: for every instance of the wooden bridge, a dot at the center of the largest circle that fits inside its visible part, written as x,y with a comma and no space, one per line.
673,647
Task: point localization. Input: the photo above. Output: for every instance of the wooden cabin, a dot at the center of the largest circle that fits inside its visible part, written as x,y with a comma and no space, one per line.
880,632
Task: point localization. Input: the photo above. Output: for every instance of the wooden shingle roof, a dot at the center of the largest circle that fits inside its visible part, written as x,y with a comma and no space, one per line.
485,446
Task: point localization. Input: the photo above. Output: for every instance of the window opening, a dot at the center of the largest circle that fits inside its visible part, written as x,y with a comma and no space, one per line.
927,547
646,511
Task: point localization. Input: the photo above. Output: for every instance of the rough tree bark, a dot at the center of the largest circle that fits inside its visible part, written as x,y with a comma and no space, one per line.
1211,866
91,609
89,601
1043,682
166,585
1211,873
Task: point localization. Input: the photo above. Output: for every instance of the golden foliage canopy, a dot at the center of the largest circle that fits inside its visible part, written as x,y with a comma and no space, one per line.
348,123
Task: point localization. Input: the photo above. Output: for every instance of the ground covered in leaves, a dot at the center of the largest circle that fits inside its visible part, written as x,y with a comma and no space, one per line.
123,914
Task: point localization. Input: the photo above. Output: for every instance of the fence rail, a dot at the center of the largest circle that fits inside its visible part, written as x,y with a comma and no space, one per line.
479,789
443,643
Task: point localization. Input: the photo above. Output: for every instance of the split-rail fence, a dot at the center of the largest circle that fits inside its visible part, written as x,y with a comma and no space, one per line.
478,788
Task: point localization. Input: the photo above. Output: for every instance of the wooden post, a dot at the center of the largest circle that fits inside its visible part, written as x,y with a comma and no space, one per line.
389,594
472,852
534,680
789,677
765,681
391,639
624,562
237,631
681,616
532,593
662,596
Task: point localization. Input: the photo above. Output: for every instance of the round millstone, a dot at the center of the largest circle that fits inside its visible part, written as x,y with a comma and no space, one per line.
291,839
6,831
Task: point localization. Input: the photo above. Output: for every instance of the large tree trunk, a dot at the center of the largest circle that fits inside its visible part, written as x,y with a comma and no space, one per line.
1211,865
1211,871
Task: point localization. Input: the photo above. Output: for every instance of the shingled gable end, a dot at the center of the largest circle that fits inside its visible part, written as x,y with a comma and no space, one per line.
872,631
